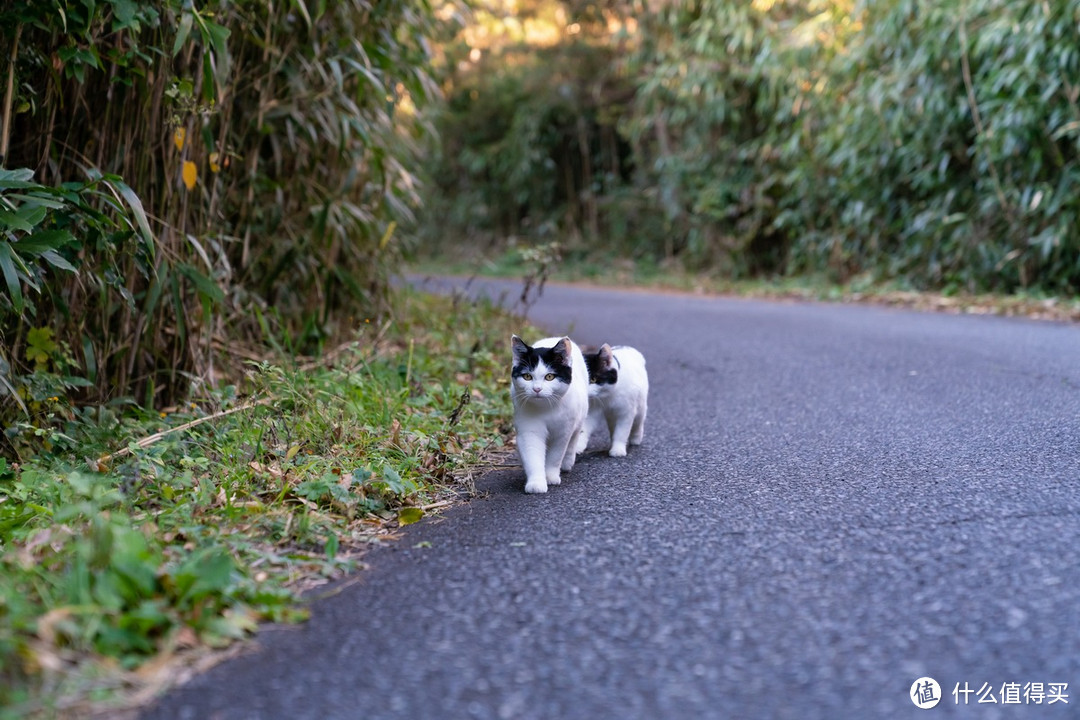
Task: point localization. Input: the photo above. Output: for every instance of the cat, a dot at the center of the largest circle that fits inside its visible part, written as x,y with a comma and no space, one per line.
550,389
618,395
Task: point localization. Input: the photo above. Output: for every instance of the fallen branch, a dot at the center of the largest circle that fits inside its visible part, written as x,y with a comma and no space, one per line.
436,505
100,463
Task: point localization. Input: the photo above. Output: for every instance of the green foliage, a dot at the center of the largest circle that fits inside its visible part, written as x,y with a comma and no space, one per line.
528,143
192,539
714,107
970,125
927,143
264,150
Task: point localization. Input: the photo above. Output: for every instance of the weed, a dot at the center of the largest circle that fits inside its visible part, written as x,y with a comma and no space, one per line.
193,527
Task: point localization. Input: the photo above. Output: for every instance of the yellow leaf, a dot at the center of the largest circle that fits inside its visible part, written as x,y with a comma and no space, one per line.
214,166
190,174
409,515
179,137
386,235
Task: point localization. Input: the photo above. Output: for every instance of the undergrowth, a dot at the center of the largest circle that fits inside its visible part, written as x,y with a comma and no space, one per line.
133,543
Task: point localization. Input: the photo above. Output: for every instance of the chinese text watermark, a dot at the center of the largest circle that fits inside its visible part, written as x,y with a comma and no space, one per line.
926,693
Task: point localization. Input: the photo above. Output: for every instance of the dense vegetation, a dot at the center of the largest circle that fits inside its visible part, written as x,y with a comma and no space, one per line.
184,178
933,144
182,530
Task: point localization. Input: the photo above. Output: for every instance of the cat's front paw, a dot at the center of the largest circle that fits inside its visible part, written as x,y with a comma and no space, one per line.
536,486
553,477
617,450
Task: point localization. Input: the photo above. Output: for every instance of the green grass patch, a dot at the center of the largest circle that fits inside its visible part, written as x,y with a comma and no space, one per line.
132,541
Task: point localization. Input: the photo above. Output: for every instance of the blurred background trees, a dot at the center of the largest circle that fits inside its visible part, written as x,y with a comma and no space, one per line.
930,143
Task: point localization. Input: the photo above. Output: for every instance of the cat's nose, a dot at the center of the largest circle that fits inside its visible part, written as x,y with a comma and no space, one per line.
537,390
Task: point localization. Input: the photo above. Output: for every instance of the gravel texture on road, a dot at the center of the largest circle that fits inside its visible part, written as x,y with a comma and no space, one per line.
831,501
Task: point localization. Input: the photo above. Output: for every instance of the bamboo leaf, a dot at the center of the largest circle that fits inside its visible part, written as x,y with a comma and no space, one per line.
91,361
43,241
38,199
11,277
206,287
183,31
20,176
56,260
33,215
11,220
136,206
218,36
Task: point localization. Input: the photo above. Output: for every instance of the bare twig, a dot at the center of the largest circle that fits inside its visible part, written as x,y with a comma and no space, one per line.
150,440
437,505
462,402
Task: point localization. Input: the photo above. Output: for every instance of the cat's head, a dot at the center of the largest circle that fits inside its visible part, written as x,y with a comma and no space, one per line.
603,369
540,374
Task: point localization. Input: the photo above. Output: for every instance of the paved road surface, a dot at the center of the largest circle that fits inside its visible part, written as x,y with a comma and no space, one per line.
831,501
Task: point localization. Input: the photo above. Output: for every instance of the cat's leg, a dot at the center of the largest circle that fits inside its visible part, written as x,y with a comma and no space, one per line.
557,450
531,449
570,456
586,431
619,434
637,432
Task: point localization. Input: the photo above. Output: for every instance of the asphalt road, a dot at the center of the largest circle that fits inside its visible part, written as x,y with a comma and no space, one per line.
831,502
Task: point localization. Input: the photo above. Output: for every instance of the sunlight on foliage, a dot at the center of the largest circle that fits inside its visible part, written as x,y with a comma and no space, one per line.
933,145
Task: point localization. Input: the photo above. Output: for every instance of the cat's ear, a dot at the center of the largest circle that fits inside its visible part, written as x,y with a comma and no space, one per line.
519,347
561,351
604,356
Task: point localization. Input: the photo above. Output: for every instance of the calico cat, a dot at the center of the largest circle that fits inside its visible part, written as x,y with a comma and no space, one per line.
618,395
549,387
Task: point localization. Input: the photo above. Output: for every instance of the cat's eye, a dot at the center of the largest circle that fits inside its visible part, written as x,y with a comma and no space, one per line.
549,377
526,376
592,379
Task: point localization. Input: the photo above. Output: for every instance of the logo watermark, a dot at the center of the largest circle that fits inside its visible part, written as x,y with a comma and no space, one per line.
925,693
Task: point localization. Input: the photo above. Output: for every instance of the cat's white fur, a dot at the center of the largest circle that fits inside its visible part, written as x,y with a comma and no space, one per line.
621,405
549,416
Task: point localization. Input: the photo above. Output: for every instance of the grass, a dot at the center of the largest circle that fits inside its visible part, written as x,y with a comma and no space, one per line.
647,273
134,545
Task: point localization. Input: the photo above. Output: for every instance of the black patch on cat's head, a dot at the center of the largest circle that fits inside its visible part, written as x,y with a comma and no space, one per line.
557,359
525,357
602,365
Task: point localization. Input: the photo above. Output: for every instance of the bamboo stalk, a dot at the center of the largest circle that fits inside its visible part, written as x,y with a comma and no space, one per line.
9,97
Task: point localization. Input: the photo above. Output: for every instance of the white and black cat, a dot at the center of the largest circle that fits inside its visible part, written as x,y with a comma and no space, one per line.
618,396
549,387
